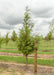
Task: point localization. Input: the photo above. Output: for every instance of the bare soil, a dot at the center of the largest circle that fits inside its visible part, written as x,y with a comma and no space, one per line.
47,50
21,68
40,56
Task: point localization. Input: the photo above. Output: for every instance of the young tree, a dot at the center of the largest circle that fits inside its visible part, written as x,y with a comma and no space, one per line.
0,41
14,36
49,36
6,39
25,40
52,26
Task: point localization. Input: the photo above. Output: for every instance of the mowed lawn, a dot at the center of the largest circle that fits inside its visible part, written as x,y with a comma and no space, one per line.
42,46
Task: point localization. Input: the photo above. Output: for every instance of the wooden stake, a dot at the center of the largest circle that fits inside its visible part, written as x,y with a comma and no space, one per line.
35,58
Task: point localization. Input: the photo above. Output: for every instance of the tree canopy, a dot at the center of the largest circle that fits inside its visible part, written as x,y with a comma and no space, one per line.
14,36
25,40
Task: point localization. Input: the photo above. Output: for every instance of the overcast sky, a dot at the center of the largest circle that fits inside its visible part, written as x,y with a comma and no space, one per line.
12,14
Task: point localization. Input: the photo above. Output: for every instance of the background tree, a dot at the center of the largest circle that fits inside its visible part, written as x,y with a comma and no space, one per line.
25,40
1,40
6,39
39,37
49,36
14,36
52,26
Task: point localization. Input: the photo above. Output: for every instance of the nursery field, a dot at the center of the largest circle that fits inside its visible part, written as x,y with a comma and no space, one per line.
45,55
44,47
48,62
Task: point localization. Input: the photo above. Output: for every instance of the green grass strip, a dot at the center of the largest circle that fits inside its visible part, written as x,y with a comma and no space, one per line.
39,52
11,51
16,51
45,49
49,62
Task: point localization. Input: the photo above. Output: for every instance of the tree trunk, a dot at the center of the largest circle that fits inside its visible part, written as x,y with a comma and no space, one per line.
0,46
26,61
35,59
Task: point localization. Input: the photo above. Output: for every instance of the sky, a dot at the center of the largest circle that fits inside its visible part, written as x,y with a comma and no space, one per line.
12,14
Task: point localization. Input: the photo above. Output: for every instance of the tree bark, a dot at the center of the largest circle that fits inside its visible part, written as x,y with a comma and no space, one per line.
35,59
26,61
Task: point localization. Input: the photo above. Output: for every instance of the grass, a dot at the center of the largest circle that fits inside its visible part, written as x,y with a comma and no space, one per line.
11,45
11,51
46,45
39,52
45,49
49,62
17,51
43,45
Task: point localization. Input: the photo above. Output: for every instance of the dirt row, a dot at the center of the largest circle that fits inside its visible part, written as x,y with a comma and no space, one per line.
30,69
41,56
